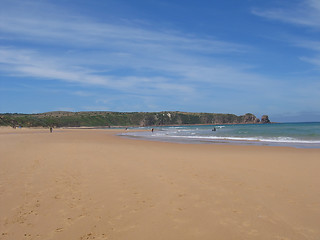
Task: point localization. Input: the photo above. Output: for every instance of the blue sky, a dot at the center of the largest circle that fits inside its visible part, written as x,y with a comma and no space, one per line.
227,56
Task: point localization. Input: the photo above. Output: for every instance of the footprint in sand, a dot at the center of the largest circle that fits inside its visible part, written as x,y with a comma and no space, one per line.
90,236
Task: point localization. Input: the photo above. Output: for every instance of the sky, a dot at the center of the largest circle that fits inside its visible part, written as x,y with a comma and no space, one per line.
248,56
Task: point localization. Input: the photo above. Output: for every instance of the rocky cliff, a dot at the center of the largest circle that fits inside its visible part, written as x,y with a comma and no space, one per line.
265,119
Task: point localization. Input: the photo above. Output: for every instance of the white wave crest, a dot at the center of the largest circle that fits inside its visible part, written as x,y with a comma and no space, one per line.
259,139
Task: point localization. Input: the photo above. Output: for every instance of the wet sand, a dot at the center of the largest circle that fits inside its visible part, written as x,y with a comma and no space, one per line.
90,184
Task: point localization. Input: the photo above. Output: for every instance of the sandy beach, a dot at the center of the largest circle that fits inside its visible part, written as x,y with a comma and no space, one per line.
90,184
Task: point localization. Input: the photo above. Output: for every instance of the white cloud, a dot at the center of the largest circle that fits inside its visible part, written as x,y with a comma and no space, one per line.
83,93
307,13
315,60
123,57
126,58
312,45
118,56
71,30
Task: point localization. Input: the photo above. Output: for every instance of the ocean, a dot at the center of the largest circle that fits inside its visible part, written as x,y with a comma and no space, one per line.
299,135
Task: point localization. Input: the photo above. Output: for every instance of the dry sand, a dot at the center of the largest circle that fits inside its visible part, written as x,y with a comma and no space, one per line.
90,184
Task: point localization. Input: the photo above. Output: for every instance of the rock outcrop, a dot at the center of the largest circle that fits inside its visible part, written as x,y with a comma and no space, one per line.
250,118
265,119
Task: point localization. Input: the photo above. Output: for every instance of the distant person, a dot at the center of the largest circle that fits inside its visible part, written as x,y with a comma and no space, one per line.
214,129
152,130
50,129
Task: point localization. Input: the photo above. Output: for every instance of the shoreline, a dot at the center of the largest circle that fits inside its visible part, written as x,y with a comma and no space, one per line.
230,142
92,184
191,137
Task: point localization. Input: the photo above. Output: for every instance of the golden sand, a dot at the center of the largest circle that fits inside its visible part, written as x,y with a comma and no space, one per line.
90,184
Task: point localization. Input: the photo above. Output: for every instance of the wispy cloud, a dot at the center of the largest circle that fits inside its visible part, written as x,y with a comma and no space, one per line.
312,45
72,30
146,63
83,93
306,13
119,56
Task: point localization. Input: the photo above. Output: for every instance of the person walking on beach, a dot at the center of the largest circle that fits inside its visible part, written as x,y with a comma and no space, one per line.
50,129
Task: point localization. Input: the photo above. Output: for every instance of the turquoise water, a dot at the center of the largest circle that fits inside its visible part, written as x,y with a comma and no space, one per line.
303,135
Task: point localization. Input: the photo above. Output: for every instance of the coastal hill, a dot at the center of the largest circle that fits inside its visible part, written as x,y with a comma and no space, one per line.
103,119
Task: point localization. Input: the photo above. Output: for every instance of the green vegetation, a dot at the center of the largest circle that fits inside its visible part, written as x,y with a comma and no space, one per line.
91,119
